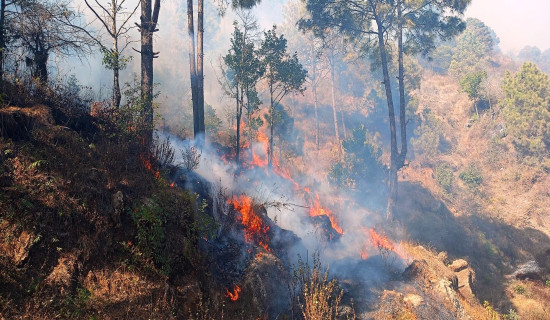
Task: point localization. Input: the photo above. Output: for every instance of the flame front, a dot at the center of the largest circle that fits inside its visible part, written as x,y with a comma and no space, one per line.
234,296
316,209
380,241
254,227
149,166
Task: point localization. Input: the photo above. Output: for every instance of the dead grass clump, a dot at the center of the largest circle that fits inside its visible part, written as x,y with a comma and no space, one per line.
317,297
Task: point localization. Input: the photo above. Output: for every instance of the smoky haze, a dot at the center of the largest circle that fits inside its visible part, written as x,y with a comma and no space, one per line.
516,23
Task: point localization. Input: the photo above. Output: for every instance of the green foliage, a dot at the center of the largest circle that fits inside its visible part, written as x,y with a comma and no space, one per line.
471,176
471,84
473,50
149,219
361,166
283,71
519,289
75,305
114,60
512,315
429,135
527,113
129,116
490,311
547,281
445,176
211,121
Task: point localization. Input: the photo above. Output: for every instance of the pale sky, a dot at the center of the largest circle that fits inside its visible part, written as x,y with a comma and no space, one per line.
517,23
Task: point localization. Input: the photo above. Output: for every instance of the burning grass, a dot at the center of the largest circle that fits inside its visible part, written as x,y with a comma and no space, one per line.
255,229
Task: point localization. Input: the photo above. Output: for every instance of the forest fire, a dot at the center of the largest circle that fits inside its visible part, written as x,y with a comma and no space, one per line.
149,166
257,160
380,241
316,209
234,295
254,227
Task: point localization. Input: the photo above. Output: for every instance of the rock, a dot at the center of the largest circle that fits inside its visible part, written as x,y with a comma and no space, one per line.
528,270
413,299
443,257
459,265
265,283
118,206
466,279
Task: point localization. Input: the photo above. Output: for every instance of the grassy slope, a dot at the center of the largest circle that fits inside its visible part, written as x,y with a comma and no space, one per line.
64,249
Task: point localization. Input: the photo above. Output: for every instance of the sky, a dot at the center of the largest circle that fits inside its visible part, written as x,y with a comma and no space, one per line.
517,23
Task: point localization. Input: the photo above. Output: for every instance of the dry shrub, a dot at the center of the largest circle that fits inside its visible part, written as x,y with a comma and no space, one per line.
317,297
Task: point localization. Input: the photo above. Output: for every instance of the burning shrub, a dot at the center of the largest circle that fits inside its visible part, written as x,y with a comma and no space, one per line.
317,297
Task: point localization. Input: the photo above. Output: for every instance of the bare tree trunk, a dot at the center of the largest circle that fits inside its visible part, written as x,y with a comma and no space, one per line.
41,65
393,156
239,112
200,72
116,67
343,124
2,37
314,91
148,27
401,78
271,123
335,117
193,69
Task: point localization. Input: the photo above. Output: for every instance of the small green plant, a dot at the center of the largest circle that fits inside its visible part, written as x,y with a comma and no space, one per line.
519,289
75,305
471,177
547,281
512,315
490,311
444,175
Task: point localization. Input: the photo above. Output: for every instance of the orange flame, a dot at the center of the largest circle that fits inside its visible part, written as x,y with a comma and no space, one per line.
234,296
315,210
173,184
364,253
257,160
380,241
254,227
149,166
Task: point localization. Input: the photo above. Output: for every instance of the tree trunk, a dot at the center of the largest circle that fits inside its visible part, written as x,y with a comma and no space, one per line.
402,102
392,197
116,68
239,111
314,91
271,123
200,72
343,124
335,117
193,69
41,66
116,88
148,26
2,37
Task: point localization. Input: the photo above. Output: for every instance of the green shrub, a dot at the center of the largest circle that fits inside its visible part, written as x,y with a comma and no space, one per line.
471,177
444,176
519,289
149,219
